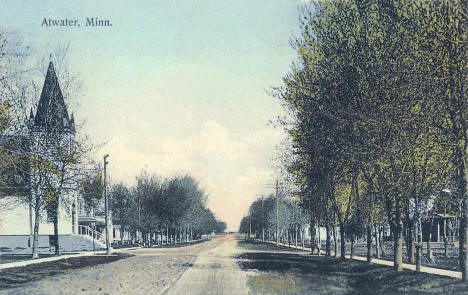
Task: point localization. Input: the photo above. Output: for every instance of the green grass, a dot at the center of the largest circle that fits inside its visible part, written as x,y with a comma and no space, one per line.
292,273
13,277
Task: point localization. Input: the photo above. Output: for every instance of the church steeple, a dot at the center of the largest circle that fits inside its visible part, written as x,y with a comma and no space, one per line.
72,123
31,119
51,114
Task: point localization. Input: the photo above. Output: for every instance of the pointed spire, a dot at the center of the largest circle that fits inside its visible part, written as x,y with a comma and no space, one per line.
72,123
30,122
51,114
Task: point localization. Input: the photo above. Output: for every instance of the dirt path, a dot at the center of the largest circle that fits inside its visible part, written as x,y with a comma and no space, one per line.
150,271
215,271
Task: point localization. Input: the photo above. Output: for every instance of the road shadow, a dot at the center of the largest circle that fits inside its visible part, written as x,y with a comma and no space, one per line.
293,273
13,277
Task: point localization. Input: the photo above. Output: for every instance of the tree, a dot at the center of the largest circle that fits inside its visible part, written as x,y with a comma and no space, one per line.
358,98
121,204
443,32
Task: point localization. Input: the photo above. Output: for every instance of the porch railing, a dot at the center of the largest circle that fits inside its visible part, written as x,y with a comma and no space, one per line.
89,231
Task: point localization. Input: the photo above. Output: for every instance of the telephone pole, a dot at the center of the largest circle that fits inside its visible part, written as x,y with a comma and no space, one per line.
276,197
263,223
106,205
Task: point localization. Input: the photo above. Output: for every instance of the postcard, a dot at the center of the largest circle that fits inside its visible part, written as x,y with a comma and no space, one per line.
233,147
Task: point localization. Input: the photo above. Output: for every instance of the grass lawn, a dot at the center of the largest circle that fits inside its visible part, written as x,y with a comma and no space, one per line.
13,277
292,273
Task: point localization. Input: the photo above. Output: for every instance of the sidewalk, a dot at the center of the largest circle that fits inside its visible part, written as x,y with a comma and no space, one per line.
55,258
425,269
41,260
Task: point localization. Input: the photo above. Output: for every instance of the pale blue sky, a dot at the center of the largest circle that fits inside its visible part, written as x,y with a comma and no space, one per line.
176,86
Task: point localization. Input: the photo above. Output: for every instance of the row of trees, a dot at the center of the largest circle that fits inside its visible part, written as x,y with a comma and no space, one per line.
377,117
272,218
173,207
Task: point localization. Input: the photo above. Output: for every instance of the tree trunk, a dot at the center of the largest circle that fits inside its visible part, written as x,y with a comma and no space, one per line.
31,227
377,242
342,242
418,246
312,237
381,242
462,190
35,246
411,247
429,251
369,242
445,234
295,235
55,213
56,233
302,238
328,242
335,242
398,246
319,241
351,255
418,257
167,234
462,242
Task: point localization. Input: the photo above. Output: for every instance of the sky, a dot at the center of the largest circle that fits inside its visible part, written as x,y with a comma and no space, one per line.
175,87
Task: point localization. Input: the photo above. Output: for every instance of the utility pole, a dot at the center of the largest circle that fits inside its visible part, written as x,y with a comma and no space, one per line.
106,204
263,223
276,198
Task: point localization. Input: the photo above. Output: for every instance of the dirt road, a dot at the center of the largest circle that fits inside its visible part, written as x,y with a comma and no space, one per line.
205,268
214,271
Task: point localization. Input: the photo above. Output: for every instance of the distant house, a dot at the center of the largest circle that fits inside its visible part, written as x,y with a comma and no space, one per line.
16,218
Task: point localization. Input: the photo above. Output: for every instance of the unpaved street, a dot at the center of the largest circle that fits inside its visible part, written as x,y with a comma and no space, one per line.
209,269
215,271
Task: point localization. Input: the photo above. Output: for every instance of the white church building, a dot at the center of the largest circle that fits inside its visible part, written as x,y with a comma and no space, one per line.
76,231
